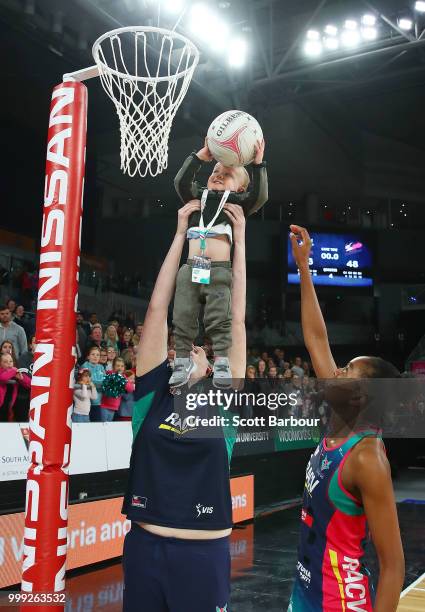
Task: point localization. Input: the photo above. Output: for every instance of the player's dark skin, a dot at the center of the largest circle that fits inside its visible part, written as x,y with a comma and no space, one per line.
366,473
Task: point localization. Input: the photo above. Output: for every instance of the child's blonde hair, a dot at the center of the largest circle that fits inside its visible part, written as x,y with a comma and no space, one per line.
245,180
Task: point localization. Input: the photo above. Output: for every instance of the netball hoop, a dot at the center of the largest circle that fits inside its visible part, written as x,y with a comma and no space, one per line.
146,72
147,87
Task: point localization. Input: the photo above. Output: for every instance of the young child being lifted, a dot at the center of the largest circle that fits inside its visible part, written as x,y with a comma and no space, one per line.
206,278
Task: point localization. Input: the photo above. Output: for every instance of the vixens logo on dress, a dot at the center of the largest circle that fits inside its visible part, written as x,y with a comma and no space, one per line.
221,609
325,463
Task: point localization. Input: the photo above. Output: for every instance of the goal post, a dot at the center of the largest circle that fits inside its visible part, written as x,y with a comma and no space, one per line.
46,503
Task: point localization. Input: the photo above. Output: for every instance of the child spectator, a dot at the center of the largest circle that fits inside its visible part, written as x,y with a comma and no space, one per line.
7,347
97,372
103,357
84,392
10,378
114,386
111,353
125,411
129,358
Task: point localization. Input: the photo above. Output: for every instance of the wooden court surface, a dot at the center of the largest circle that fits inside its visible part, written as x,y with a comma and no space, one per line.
413,597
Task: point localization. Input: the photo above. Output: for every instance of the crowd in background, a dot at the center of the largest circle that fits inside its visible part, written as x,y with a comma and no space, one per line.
106,366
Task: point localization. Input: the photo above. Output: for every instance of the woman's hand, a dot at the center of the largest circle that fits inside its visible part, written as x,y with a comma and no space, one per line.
259,151
205,154
301,245
237,217
184,214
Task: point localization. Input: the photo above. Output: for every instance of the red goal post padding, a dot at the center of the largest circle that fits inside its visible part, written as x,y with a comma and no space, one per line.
46,508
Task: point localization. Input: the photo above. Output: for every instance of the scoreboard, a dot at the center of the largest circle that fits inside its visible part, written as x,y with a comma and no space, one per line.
342,260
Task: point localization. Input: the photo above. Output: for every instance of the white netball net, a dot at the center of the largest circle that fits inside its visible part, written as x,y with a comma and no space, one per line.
146,72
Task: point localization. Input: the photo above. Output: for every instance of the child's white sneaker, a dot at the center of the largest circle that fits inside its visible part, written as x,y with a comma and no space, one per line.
183,367
222,376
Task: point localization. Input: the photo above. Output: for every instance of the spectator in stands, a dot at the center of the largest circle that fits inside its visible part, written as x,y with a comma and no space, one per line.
11,331
286,366
129,356
297,368
11,304
81,339
126,341
111,337
279,357
265,356
97,372
139,331
261,369
125,411
272,372
22,319
112,394
84,392
7,347
81,322
115,322
111,353
26,360
10,378
270,363
95,338
103,357
306,368
93,320
25,365
251,372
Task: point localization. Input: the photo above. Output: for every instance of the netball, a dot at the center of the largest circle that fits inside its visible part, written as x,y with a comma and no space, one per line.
232,137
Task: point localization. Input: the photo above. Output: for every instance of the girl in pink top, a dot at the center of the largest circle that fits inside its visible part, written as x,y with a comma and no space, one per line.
115,385
10,378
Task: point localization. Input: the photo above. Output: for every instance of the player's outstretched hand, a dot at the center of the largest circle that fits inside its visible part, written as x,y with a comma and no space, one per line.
259,151
184,213
237,217
301,245
205,153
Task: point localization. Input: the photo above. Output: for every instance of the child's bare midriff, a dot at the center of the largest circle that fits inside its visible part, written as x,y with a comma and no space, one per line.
218,248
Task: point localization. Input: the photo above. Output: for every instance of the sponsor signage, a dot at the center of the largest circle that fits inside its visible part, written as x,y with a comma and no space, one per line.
290,438
96,532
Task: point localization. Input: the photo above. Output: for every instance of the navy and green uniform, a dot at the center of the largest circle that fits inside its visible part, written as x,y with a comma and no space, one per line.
181,482
330,574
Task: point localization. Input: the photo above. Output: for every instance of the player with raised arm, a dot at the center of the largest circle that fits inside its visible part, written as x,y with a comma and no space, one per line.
177,554
348,488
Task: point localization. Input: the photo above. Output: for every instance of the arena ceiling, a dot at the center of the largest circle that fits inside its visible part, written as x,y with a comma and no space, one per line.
377,88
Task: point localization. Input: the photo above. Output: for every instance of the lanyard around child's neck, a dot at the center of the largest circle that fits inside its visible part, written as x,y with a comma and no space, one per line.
204,230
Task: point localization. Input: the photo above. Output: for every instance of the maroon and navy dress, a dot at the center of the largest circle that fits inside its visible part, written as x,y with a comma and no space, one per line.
330,573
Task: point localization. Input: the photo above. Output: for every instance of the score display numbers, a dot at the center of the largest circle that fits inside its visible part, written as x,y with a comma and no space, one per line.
342,260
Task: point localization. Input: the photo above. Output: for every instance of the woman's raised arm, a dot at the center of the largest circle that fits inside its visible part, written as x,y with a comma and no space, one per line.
153,345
